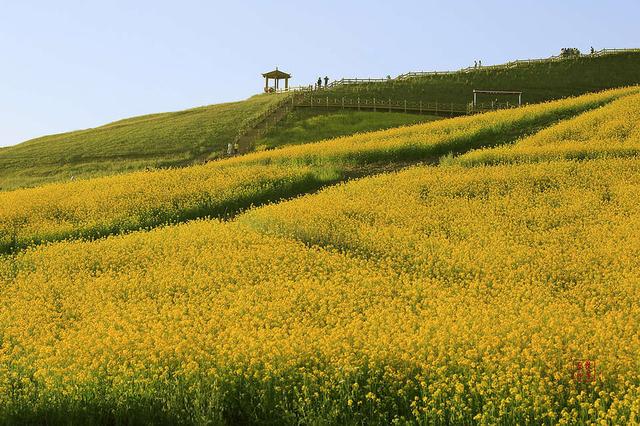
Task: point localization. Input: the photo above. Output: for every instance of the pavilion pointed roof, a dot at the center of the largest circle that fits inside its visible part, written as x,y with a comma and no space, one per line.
276,74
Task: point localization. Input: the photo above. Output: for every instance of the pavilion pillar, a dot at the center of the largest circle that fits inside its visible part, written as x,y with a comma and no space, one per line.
266,84
286,83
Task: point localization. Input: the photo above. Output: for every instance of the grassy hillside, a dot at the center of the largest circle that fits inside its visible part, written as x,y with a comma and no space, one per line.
157,140
538,81
187,137
310,125
456,293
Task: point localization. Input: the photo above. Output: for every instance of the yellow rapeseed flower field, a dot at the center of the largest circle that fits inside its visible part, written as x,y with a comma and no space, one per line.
429,295
433,295
609,131
103,206
98,207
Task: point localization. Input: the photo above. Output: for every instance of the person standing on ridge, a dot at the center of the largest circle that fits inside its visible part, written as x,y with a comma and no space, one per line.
319,82
326,81
236,148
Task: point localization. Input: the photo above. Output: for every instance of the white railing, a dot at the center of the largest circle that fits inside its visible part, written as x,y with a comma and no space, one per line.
293,89
357,81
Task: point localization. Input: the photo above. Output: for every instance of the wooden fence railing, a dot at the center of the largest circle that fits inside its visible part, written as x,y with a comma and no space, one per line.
602,52
260,124
408,106
516,63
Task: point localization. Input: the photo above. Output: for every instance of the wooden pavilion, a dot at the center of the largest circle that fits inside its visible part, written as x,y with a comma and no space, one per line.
276,75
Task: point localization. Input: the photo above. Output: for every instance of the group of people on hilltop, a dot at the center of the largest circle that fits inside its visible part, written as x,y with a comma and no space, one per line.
319,83
477,64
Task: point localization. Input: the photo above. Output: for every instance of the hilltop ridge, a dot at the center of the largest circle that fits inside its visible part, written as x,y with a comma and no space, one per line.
191,136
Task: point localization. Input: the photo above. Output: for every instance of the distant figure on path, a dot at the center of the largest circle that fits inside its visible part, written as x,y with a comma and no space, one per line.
230,149
236,148
475,64
479,63
326,81
592,50
319,82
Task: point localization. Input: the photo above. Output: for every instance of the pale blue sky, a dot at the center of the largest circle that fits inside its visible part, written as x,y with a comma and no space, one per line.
69,65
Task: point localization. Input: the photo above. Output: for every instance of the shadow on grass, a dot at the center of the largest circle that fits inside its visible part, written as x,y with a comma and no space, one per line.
370,163
149,414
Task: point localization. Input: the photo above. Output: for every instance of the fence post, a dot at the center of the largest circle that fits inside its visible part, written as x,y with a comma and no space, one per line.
327,102
343,102
389,104
405,106
374,104
420,107
436,107
451,108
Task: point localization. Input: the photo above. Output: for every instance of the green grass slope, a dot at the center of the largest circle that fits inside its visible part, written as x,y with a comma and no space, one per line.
312,125
539,81
156,140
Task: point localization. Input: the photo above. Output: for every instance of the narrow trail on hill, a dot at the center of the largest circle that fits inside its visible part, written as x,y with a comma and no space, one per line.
247,140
